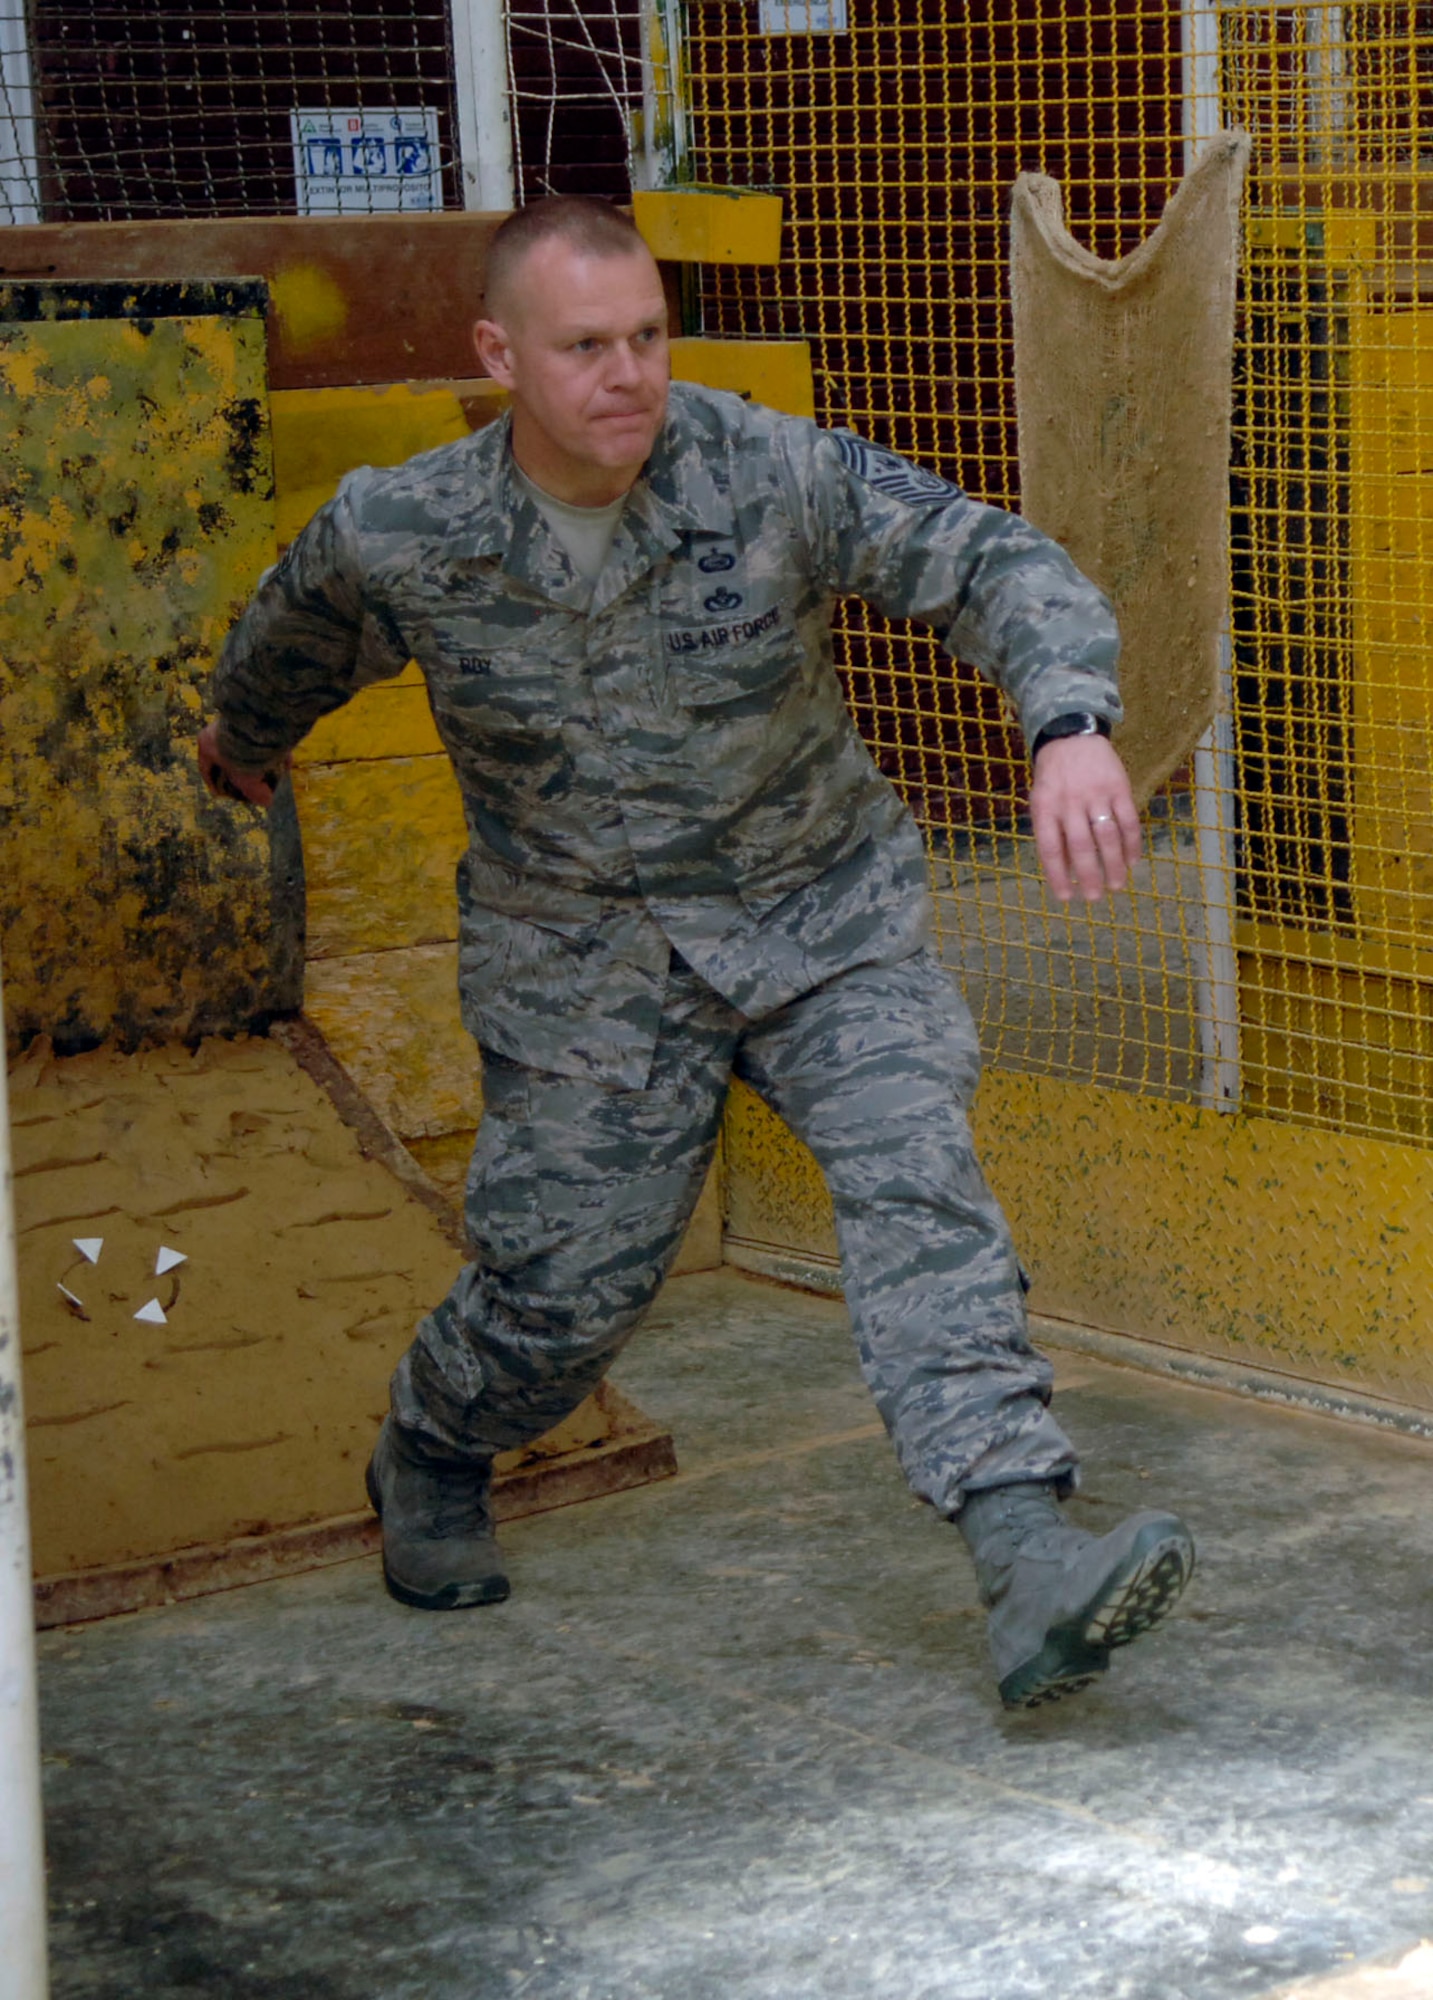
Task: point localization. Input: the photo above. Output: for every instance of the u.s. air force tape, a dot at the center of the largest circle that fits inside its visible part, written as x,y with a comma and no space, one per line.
911,484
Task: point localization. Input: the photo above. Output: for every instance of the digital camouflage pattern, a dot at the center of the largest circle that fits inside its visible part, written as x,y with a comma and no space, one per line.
682,861
667,761
579,1194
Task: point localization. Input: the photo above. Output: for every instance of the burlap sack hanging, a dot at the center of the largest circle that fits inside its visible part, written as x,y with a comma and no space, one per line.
1122,382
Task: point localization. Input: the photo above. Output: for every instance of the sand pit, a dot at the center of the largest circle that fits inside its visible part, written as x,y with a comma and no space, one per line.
251,1407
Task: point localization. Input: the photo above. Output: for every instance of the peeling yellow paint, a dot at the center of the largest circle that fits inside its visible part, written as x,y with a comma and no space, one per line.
129,903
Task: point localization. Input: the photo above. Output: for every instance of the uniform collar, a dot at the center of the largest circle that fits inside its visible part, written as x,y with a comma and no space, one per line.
684,489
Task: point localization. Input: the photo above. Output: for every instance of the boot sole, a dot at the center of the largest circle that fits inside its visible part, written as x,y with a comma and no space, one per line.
1076,1654
453,1596
494,1589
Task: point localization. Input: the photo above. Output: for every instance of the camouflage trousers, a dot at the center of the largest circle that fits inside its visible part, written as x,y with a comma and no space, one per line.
579,1194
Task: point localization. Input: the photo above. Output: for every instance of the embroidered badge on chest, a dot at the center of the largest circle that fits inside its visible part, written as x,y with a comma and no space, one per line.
716,561
722,600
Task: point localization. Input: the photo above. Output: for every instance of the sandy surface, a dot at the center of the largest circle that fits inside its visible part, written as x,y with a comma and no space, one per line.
254,1405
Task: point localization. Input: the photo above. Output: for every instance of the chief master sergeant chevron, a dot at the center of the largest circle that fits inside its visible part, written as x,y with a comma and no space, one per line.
683,865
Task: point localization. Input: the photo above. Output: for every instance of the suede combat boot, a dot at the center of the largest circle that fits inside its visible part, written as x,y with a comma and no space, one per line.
1060,1600
438,1548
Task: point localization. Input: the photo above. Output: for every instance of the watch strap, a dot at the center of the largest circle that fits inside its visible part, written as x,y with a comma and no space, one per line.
1079,722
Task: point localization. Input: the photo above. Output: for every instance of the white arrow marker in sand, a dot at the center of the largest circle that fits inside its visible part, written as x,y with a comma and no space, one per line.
154,1313
167,1259
89,1247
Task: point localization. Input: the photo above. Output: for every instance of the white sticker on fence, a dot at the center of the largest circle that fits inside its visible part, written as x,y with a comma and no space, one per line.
803,17
366,162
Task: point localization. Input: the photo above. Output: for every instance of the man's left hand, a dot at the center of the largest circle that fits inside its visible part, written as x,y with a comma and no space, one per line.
1084,818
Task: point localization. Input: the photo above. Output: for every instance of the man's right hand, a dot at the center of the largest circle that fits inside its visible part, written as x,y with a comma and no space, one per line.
226,780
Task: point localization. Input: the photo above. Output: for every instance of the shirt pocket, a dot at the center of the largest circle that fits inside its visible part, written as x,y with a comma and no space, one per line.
744,664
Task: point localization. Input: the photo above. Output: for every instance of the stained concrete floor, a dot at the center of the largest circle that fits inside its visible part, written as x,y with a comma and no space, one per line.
735,1736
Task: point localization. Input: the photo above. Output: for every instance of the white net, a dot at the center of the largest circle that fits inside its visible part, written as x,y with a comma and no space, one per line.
577,88
111,110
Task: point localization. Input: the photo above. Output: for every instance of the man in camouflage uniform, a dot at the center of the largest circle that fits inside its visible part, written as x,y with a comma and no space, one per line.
683,865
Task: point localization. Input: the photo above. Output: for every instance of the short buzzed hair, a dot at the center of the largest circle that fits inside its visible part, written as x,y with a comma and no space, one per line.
588,224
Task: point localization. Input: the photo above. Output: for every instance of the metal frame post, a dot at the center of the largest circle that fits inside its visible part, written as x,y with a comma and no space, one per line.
19,150
23,1956
481,84
1214,768
661,141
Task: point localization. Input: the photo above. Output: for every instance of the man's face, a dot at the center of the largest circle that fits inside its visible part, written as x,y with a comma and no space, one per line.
581,345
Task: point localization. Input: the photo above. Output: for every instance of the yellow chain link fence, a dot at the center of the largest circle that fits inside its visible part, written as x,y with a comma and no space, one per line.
1275,953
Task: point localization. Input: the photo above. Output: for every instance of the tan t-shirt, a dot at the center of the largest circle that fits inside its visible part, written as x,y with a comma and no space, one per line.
585,533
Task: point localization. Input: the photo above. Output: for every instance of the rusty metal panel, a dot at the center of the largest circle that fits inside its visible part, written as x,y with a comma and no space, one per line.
353,298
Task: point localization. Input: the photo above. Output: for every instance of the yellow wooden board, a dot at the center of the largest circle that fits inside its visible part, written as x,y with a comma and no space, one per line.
320,434
709,225
254,1404
381,842
389,719
774,372
1390,473
391,1018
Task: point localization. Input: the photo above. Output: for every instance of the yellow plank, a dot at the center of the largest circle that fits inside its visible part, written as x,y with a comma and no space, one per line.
710,225
390,719
320,434
774,372
381,842
1246,1238
391,1018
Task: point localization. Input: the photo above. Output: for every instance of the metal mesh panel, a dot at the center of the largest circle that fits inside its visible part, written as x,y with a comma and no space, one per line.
141,110
1274,948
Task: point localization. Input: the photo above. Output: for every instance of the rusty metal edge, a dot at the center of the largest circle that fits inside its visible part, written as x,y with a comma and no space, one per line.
208,1568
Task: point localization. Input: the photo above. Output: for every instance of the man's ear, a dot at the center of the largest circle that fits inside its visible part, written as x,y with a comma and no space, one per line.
493,351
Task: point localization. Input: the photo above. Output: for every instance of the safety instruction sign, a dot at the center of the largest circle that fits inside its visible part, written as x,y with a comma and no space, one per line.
802,17
366,162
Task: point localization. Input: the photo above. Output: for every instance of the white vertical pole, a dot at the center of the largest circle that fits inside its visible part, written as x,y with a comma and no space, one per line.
19,155
660,146
23,1974
485,136
1218,985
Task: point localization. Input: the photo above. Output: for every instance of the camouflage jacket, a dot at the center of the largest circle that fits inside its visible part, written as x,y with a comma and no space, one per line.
667,761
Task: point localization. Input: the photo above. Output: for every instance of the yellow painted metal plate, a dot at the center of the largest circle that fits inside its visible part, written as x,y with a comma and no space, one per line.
710,225
139,519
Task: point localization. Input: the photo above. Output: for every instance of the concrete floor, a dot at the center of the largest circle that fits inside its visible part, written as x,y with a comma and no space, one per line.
735,1735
